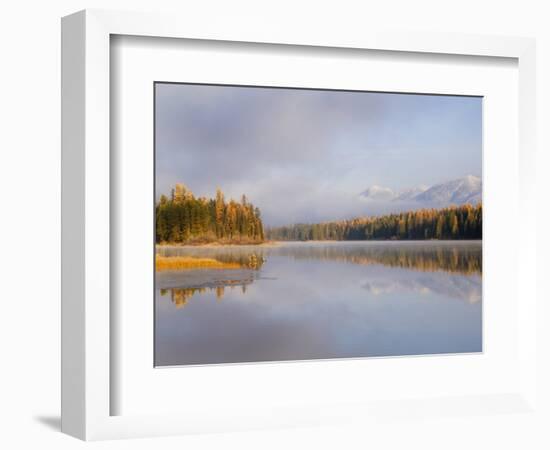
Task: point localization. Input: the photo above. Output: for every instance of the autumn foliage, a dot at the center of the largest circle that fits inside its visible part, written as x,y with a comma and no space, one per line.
455,222
186,219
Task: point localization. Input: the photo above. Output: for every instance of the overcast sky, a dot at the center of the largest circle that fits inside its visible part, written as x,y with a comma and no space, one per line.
306,155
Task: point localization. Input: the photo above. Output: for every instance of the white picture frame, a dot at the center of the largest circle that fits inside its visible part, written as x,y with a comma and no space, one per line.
86,247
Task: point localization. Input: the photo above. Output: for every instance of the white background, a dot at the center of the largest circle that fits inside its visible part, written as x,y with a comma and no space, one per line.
29,177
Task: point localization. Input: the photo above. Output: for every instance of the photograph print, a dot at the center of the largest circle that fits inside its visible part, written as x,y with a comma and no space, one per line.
300,224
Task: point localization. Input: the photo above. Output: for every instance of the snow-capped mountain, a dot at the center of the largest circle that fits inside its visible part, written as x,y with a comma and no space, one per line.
455,192
410,194
458,192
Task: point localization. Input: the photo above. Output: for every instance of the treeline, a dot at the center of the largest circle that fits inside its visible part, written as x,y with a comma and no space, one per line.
185,219
455,222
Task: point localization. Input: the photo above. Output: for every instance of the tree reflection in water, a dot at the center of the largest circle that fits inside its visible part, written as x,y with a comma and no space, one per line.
180,296
461,258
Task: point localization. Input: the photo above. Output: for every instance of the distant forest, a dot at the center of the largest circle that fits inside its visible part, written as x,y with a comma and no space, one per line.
455,222
185,219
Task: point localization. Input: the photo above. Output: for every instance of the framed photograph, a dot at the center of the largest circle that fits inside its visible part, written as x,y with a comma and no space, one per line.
281,246
303,217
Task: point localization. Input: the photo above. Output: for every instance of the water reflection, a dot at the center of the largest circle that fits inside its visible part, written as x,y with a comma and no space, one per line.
452,258
321,300
467,289
463,257
181,296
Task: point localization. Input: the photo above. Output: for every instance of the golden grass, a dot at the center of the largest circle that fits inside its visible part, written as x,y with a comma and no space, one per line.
188,262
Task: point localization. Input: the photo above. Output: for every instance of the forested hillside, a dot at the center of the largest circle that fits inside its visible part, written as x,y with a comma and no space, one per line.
456,222
185,219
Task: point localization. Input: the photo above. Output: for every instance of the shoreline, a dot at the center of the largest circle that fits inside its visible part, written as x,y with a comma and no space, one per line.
220,244
325,241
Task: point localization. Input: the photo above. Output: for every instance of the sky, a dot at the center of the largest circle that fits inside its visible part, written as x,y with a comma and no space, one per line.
307,155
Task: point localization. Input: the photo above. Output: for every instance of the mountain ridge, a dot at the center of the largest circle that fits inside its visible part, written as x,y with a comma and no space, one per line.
458,191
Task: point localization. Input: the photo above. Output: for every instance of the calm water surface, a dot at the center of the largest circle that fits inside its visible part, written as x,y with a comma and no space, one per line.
318,300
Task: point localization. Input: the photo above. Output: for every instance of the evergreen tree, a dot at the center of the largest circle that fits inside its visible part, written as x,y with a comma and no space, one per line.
186,219
463,222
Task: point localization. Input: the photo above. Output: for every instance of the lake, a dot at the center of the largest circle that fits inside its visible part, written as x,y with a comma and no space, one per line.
320,300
